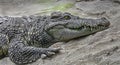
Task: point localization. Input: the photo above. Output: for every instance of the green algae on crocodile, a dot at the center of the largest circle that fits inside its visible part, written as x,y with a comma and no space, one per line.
28,38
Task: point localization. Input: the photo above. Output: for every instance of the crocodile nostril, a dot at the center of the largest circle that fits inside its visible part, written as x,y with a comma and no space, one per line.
105,22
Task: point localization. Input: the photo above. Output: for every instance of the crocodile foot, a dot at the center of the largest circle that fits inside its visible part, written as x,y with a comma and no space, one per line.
49,52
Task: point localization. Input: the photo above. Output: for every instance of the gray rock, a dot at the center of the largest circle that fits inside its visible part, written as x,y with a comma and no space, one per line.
102,48
96,7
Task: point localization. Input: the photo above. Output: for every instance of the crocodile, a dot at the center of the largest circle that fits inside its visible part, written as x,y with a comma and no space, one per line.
25,39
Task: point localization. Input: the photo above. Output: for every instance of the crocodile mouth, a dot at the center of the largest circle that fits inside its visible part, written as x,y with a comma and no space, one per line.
78,26
98,27
91,24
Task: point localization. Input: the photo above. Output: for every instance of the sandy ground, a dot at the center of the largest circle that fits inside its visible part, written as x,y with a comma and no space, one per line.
102,48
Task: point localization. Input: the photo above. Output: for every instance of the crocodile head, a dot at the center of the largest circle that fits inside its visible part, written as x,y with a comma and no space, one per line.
67,26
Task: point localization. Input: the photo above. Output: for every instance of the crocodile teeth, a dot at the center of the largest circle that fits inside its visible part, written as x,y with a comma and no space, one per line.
91,29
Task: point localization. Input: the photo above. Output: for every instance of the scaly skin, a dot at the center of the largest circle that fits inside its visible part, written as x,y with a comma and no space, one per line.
26,39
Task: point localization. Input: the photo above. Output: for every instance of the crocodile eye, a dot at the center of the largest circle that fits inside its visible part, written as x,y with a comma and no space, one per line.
67,17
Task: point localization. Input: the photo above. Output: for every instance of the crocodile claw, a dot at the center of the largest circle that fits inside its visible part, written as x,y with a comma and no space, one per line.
49,52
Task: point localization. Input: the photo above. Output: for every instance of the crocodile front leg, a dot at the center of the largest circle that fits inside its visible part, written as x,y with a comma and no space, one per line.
21,54
3,45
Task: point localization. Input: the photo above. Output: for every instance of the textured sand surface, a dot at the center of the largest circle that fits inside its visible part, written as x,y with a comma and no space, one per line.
102,48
